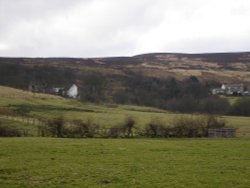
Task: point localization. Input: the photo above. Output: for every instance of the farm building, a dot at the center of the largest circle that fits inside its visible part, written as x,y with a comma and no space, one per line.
233,89
229,89
73,92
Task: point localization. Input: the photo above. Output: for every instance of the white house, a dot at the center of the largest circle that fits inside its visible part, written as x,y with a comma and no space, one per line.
73,91
233,89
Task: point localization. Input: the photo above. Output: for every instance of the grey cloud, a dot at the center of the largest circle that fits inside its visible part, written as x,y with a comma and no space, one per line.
87,28
210,45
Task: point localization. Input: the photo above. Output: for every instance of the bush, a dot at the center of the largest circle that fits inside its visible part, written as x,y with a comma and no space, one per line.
195,126
186,126
6,131
53,127
213,123
189,127
116,132
75,129
124,130
128,126
155,129
84,129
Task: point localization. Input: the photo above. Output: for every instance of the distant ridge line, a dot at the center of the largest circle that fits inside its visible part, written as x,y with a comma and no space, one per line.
134,56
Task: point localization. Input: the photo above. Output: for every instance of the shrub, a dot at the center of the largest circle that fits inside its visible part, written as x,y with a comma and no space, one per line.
115,132
189,127
76,129
213,122
195,126
128,126
55,126
185,126
124,130
6,131
156,129
85,129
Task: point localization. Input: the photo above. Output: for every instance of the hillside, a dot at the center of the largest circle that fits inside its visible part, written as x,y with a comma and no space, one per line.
45,107
223,67
147,80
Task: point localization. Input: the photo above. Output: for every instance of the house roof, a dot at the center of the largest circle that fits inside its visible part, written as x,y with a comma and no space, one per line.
233,85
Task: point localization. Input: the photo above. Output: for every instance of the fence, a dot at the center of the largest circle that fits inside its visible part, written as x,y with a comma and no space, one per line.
222,132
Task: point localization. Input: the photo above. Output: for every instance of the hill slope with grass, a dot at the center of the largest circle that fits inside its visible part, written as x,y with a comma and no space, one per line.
107,79
49,106
45,107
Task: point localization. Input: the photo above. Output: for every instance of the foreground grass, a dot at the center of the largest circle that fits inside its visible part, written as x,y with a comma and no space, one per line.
48,162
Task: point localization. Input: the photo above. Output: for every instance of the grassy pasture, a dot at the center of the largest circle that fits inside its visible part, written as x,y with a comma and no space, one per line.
54,162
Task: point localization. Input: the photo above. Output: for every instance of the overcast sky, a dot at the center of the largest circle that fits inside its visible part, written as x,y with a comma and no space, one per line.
97,28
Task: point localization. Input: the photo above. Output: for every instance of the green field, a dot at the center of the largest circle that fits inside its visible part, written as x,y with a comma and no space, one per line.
54,162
